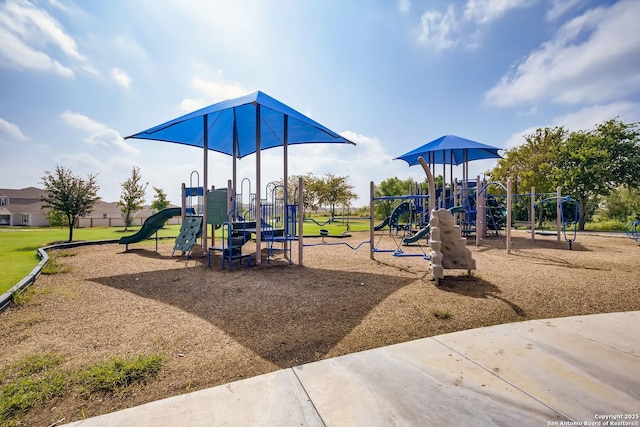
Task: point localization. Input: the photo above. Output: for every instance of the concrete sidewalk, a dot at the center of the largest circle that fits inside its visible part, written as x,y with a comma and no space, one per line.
584,369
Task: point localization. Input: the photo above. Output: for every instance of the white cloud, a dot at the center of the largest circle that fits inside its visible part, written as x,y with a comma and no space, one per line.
11,132
583,119
559,8
212,92
121,77
82,161
593,58
99,135
404,5
16,54
447,30
438,30
588,117
485,11
191,104
27,32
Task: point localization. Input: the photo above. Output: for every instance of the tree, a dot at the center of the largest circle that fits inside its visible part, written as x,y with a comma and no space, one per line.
590,164
396,187
586,164
132,196
69,195
334,190
389,187
309,182
622,204
531,164
160,201
56,218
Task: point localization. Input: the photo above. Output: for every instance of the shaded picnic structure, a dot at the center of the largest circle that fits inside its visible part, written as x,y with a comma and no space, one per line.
240,127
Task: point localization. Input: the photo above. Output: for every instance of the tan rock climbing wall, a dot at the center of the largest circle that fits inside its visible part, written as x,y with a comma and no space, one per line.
448,247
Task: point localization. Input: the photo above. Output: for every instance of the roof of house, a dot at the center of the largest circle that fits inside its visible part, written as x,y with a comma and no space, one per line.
106,207
23,193
23,208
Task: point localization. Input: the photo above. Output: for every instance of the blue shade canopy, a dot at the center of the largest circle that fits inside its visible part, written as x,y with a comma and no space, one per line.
238,117
450,150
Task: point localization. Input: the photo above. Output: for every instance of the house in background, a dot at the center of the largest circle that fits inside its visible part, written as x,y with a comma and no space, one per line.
23,208
108,214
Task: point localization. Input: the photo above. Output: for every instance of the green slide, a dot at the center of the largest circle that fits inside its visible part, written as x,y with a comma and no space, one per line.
419,235
152,224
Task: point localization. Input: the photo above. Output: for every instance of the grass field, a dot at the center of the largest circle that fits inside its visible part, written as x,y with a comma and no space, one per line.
18,246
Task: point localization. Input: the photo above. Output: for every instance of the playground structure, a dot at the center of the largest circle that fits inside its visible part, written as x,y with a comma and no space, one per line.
236,215
150,227
633,229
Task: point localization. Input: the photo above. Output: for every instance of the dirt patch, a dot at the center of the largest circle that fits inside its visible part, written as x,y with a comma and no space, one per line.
214,326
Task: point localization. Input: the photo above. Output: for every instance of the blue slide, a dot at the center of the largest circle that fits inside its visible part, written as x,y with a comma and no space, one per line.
152,224
393,219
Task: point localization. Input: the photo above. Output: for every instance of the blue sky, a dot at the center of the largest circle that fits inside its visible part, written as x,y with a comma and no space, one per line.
76,77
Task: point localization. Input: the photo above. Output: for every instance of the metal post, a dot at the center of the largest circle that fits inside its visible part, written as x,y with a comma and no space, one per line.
205,146
183,196
300,220
533,213
558,211
371,226
286,181
508,215
234,172
258,184
479,213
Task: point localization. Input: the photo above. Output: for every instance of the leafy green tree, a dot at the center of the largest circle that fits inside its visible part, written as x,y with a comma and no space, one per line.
160,201
56,218
389,187
69,195
310,185
334,190
132,196
590,164
586,164
531,164
622,204
397,187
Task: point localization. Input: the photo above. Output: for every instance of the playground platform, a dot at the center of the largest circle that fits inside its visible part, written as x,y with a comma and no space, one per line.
569,371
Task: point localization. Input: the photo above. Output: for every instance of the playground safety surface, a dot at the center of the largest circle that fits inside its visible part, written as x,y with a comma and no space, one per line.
214,327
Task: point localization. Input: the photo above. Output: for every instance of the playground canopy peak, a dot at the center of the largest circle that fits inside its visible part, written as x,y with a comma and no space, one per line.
450,150
232,127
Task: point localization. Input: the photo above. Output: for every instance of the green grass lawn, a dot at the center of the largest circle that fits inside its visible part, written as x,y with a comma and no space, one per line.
18,246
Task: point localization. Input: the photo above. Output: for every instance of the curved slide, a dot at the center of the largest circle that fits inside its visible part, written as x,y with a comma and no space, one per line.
392,220
382,225
423,232
152,224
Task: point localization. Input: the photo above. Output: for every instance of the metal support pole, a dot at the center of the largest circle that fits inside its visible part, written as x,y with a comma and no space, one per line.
533,213
205,146
258,185
558,211
508,216
479,212
371,226
300,220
